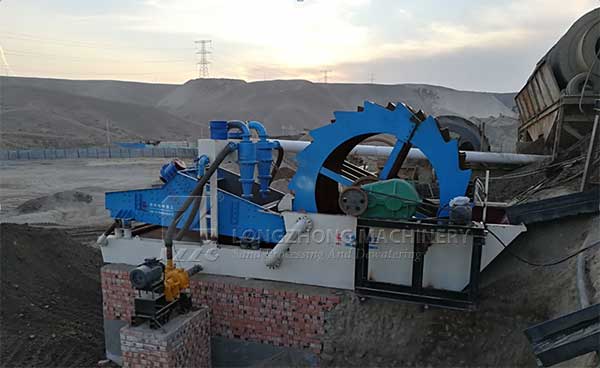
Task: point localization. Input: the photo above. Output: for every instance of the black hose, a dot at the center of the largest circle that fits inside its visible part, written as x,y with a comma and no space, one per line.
278,162
545,264
112,227
190,219
168,239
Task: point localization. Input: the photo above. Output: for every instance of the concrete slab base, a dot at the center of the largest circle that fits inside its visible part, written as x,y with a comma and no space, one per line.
228,353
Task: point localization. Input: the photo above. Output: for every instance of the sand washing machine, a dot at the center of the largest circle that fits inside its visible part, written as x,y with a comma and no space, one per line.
340,226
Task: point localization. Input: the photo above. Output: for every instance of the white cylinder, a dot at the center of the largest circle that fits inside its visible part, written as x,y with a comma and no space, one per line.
102,240
274,256
417,155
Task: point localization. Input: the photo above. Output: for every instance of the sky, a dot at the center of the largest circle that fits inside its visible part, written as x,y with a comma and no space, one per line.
480,45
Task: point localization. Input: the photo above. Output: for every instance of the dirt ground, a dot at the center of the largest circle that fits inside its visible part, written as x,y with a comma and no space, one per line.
60,188
51,301
50,308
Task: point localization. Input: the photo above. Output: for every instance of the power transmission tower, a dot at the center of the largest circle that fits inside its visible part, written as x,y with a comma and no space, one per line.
203,52
325,74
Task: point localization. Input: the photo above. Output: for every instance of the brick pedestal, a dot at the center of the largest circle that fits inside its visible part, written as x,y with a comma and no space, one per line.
275,313
183,342
117,306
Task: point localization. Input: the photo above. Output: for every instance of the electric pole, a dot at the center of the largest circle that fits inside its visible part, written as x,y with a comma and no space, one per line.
325,74
107,134
371,78
203,52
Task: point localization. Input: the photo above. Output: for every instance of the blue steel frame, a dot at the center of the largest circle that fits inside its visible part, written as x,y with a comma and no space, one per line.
238,217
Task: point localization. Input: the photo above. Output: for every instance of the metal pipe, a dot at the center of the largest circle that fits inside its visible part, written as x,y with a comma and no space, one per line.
259,128
584,299
274,256
238,124
417,155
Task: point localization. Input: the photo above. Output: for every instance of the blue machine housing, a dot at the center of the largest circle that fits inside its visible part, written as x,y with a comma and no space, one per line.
350,128
239,218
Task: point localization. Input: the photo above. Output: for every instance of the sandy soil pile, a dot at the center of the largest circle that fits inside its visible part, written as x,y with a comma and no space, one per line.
69,198
51,301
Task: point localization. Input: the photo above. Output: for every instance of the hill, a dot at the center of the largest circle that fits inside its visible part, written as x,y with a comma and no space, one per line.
146,94
39,117
289,106
49,112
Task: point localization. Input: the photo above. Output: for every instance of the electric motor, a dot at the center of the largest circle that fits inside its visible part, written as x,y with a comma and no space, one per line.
146,275
460,211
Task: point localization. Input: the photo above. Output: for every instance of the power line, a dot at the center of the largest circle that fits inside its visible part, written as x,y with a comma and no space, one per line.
203,52
46,72
88,59
72,43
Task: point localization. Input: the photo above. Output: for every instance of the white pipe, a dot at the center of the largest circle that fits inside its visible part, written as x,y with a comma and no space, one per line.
274,256
102,240
487,190
584,299
416,154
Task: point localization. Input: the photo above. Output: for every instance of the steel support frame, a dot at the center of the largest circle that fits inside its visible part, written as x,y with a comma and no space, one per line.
416,293
565,337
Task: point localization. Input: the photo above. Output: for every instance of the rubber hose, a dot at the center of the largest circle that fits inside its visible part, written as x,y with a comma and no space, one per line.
102,239
112,227
190,219
278,162
168,240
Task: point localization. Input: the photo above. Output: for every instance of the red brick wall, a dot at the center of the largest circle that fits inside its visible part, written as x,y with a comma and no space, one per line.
276,313
184,342
268,312
117,292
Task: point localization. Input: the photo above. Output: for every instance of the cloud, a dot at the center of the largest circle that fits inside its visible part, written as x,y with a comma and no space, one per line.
446,38
298,34
495,52
479,44
318,33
